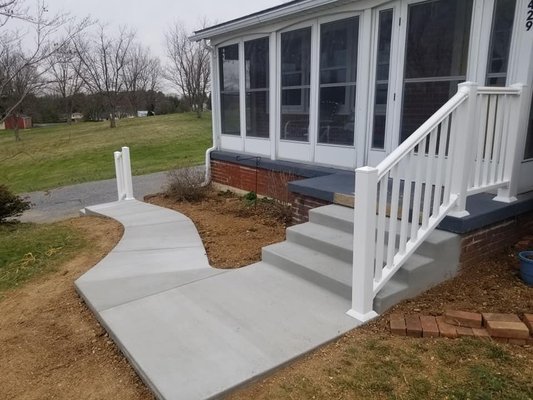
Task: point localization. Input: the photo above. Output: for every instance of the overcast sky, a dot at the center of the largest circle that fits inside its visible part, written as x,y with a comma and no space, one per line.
151,18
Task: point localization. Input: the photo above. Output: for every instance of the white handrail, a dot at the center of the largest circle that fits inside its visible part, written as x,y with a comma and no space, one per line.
468,145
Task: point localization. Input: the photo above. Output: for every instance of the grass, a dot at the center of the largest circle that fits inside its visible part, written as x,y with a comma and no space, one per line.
386,367
60,155
29,250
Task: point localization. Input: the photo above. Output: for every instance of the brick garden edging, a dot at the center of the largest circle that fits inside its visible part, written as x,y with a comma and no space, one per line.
503,328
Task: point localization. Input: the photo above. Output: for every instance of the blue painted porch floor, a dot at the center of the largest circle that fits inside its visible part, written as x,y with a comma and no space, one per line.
194,332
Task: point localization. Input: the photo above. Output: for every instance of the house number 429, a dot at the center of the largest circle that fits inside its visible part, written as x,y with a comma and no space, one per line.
529,18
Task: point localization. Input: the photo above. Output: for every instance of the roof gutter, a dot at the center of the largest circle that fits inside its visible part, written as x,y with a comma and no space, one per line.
267,16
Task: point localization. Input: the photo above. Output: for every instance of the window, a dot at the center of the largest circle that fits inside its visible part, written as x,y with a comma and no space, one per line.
500,42
338,76
229,89
257,87
295,84
382,79
438,34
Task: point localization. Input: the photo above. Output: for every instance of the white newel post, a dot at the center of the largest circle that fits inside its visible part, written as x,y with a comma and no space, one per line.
123,174
464,148
126,165
516,142
366,181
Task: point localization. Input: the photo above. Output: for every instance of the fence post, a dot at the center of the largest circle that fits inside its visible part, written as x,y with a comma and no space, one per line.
364,244
119,175
515,147
126,165
465,138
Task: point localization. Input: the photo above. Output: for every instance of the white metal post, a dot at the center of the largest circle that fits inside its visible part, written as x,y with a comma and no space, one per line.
464,149
515,146
366,181
126,165
119,175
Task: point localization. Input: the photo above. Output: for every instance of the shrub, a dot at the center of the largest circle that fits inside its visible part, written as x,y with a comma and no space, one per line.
186,184
11,205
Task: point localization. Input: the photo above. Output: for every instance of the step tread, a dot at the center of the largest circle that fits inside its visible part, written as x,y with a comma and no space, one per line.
323,233
316,261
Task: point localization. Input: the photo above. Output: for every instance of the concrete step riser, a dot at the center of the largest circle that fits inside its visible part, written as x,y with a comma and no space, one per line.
271,257
330,249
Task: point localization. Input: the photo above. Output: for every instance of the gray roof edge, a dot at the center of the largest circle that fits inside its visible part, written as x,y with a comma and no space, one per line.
268,15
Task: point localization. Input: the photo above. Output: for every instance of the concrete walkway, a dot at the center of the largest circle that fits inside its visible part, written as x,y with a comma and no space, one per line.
194,332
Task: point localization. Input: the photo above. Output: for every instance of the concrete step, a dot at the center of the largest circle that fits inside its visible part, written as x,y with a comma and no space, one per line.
326,271
392,293
341,218
323,239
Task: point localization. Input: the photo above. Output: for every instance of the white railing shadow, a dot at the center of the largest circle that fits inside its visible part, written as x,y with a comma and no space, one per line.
123,174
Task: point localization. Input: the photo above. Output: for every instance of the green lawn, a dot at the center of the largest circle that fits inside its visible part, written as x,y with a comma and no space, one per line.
28,250
60,155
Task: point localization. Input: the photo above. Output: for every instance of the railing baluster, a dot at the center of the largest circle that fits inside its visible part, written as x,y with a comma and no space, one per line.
406,203
415,219
498,132
481,136
429,174
393,215
440,162
502,148
491,128
380,237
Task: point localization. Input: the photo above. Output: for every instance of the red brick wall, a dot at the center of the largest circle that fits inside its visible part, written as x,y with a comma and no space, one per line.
264,182
269,183
301,206
483,243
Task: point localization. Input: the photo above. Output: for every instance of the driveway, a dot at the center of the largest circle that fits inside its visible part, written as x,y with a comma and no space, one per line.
65,202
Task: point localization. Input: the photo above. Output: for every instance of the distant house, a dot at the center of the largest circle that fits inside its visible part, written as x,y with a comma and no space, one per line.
142,113
22,121
76,117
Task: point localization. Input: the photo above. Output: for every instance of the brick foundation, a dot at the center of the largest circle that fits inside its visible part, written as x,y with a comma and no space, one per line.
491,240
301,206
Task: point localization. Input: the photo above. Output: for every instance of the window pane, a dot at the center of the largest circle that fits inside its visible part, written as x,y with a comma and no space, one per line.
229,89
337,111
421,100
502,28
295,76
438,34
437,38
257,115
529,142
230,114
256,63
382,79
256,59
229,68
338,75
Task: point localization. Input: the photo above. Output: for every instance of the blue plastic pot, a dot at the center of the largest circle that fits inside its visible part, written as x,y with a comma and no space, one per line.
526,266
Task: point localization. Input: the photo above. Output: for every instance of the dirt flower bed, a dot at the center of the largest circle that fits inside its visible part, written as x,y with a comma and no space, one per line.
233,230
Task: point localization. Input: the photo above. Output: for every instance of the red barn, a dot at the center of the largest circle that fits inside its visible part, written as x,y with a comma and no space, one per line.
22,121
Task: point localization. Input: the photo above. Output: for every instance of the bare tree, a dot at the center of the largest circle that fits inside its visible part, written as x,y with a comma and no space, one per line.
24,54
141,74
188,67
103,59
65,78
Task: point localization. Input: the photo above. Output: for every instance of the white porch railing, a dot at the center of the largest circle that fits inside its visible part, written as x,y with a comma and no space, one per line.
467,146
123,174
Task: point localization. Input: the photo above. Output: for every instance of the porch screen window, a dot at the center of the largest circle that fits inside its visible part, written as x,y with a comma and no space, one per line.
295,84
257,99
500,42
438,34
338,76
382,78
229,89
